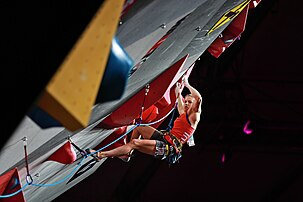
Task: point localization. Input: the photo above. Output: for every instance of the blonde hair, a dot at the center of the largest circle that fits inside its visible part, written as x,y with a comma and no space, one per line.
189,95
197,103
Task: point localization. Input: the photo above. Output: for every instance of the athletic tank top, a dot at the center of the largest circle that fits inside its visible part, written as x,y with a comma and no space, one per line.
182,128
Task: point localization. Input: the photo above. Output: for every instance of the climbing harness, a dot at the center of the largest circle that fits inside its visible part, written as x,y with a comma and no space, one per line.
174,146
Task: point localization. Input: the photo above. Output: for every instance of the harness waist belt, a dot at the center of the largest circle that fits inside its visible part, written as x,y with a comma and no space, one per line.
174,141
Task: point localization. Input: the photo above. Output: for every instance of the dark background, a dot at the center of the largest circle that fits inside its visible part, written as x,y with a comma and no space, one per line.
259,78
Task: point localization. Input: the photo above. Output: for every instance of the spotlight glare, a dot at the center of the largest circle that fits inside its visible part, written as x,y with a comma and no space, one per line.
246,130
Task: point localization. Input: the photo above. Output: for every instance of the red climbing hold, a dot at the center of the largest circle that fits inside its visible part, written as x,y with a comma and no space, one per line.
65,154
9,184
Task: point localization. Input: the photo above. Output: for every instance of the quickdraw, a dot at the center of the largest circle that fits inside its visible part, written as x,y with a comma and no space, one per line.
84,153
28,178
139,120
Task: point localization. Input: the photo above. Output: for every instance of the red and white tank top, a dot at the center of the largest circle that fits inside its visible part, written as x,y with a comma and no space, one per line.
182,128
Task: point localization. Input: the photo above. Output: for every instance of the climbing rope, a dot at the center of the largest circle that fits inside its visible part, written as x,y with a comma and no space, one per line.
62,180
29,180
116,140
85,154
131,129
80,163
15,193
170,125
104,147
